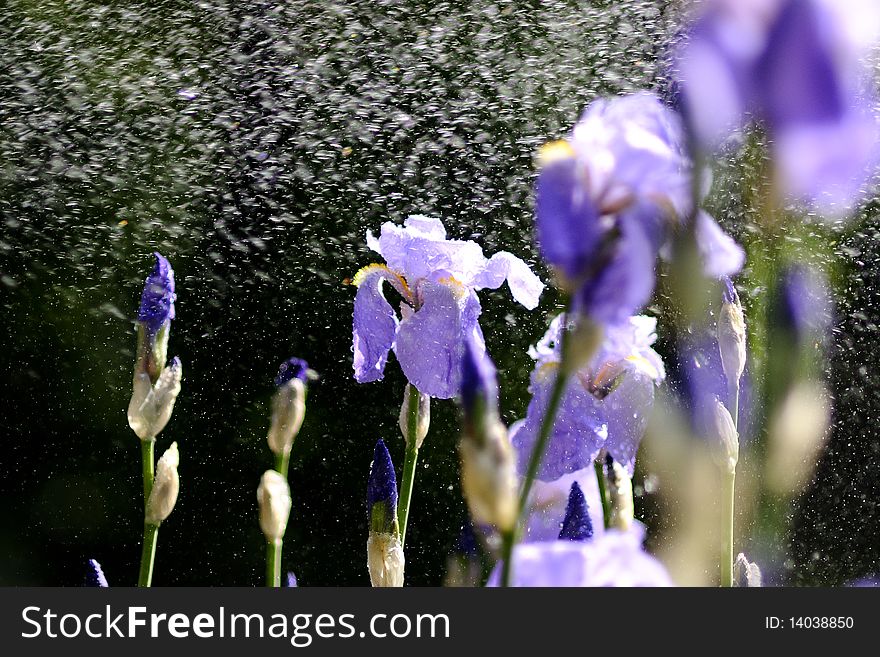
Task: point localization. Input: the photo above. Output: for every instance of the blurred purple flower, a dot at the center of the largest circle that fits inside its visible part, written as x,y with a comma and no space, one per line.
613,559
95,575
607,200
794,65
437,279
290,582
606,404
157,300
805,309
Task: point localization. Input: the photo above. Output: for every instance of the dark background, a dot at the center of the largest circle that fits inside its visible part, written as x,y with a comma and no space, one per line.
253,144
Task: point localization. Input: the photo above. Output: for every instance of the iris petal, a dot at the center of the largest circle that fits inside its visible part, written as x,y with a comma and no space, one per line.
374,325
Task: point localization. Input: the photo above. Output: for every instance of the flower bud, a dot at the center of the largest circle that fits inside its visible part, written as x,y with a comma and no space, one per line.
488,475
385,560
577,525
620,496
479,387
463,567
154,318
585,339
288,405
422,418
95,575
273,495
290,581
166,485
745,572
724,436
152,403
732,335
382,492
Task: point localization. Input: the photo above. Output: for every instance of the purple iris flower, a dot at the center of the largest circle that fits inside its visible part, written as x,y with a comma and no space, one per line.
613,559
292,368
437,280
157,300
95,575
606,403
608,199
794,65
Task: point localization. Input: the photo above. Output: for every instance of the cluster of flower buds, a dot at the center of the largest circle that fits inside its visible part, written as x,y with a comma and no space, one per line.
488,461
166,486
155,385
385,560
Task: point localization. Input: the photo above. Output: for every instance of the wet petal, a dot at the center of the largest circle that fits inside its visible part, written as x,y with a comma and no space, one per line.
430,341
578,431
626,411
525,287
721,255
374,325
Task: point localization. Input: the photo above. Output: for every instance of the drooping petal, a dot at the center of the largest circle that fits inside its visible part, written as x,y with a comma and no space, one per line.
578,432
430,341
374,324
626,412
624,285
566,219
525,287
720,254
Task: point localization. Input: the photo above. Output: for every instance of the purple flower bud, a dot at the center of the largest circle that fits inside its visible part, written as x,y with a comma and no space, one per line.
157,300
576,526
290,582
292,368
478,378
95,576
382,492
805,308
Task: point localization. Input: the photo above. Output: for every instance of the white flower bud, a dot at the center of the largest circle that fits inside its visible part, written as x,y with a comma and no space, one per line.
151,405
166,485
731,330
273,495
488,477
725,437
385,560
423,416
288,411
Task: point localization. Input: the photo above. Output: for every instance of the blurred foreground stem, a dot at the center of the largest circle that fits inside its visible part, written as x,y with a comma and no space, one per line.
410,460
509,538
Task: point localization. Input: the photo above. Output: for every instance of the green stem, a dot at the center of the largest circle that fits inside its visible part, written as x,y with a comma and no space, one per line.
728,496
273,563
148,555
282,463
509,538
603,494
409,463
148,466
734,404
